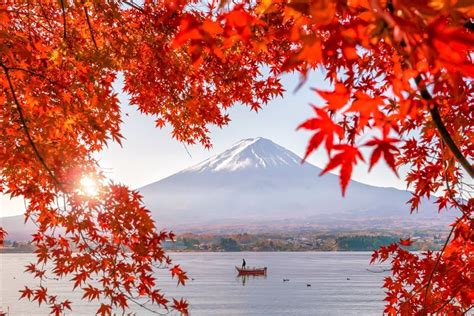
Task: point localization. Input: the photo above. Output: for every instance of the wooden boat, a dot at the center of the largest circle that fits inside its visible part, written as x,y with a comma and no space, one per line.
252,271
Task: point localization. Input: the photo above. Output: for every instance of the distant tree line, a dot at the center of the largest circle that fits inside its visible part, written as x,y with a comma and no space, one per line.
364,243
298,242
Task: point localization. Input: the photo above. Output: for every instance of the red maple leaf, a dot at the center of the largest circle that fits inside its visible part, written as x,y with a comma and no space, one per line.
335,99
181,306
385,147
91,293
179,273
40,295
324,128
104,310
346,159
27,292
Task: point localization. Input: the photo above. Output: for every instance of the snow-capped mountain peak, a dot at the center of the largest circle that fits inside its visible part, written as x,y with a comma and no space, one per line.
251,153
258,181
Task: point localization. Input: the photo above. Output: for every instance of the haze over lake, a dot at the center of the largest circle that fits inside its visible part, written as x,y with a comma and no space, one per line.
340,285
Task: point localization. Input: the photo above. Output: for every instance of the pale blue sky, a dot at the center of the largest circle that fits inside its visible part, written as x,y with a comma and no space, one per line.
150,154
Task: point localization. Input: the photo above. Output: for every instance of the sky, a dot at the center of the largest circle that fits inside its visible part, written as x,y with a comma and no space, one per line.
150,154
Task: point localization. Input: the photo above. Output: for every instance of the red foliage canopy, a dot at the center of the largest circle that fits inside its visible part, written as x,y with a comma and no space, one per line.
402,69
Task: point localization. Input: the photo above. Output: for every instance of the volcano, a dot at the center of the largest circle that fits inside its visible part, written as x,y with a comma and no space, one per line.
257,182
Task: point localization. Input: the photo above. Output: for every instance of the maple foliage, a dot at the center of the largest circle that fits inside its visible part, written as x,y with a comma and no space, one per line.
400,69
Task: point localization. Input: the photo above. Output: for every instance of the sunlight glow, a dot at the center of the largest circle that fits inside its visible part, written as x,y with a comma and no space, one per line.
89,186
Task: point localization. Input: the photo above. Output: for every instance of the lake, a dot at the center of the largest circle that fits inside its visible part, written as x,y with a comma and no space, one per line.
340,285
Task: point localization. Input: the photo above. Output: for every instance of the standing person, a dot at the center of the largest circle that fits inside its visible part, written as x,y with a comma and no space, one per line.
243,263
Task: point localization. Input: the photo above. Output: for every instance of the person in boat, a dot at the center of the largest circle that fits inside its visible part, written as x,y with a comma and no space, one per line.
243,263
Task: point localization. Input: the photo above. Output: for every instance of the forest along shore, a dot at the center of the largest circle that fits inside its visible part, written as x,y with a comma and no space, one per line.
281,241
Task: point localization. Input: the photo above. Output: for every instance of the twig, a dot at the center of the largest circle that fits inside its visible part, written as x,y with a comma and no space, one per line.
186,148
374,271
143,305
445,304
440,254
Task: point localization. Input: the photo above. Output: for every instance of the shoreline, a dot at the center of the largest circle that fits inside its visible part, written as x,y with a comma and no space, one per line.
243,251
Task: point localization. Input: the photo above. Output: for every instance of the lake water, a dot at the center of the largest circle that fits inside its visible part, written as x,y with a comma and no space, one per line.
340,285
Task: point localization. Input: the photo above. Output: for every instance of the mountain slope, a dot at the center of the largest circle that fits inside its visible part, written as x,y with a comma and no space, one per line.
258,181
259,185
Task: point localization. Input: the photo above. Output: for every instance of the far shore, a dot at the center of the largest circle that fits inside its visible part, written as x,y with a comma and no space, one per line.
303,241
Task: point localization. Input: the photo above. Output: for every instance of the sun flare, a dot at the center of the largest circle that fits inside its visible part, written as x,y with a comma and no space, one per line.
89,186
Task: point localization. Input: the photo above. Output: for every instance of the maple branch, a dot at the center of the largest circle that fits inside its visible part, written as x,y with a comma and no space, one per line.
467,310
445,304
469,25
33,73
437,263
381,271
51,28
186,148
133,5
426,286
457,290
450,142
454,200
25,127
90,28
445,136
142,305
64,19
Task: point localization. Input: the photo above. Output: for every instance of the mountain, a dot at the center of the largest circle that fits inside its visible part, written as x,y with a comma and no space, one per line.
16,228
259,183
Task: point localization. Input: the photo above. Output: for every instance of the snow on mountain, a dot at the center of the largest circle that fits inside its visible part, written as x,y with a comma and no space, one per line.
258,181
248,154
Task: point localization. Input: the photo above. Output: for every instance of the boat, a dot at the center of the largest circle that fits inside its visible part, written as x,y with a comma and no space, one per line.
252,271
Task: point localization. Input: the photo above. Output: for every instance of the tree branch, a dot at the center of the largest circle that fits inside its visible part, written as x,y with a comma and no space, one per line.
25,127
36,74
438,259
445,136
142,305
450,142
90,28
133,5
64,19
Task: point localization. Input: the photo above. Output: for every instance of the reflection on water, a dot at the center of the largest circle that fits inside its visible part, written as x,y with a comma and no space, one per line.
243,278
340,285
